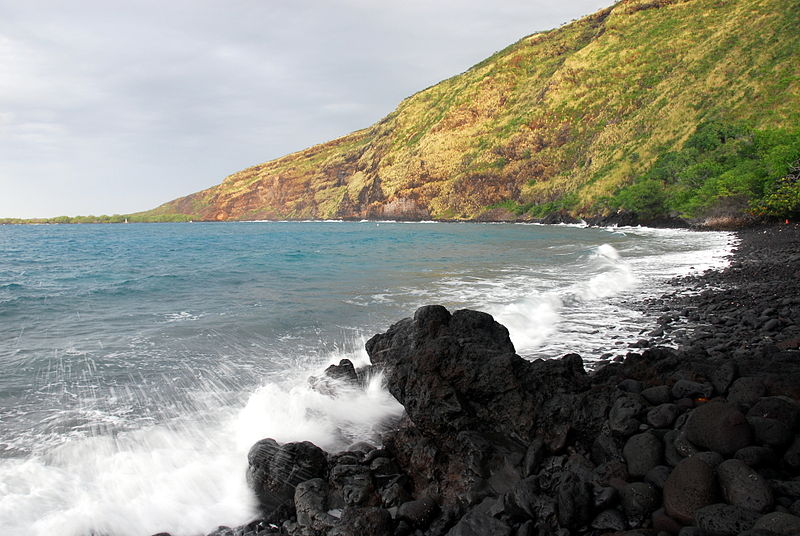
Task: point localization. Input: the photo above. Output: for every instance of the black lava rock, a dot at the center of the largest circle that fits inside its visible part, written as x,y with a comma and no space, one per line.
720,427
274,470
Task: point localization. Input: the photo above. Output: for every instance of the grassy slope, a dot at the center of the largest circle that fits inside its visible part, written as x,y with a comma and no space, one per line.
574,113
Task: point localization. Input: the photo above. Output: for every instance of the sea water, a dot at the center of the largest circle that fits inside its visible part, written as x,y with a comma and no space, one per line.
138,363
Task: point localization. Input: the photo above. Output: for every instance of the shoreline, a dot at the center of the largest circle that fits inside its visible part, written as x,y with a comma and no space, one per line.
701,439
733,223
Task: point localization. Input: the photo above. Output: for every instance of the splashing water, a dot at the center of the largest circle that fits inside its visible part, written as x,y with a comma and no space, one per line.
139,363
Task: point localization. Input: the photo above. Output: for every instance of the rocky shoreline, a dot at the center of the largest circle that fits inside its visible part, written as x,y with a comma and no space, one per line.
699,439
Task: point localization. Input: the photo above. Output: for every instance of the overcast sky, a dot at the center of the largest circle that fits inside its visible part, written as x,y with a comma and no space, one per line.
112,106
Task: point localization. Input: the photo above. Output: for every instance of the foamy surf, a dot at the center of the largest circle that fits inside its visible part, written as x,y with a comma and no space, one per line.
129,402
186,476
534,319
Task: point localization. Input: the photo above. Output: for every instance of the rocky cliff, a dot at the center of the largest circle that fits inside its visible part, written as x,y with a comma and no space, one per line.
559,120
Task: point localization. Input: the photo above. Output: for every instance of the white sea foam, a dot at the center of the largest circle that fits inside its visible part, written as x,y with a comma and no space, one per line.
185,476
534,318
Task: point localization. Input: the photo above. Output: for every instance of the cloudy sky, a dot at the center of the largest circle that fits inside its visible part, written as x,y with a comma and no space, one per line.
112,106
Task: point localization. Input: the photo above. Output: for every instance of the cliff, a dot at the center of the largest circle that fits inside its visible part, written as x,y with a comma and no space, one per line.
561,120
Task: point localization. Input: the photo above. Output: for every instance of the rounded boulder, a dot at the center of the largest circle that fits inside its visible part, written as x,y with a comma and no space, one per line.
642,452
689,487
720,427
742,486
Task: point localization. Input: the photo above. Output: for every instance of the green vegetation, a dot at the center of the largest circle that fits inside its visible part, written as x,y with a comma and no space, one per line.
684,107
116,218
723,169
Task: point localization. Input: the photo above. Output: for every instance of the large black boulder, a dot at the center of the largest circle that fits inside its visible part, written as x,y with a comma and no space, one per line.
275,470
456,372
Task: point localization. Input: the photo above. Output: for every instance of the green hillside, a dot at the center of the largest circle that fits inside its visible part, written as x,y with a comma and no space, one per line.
607,113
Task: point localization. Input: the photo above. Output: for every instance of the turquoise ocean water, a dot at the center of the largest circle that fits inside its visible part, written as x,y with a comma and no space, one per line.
139,362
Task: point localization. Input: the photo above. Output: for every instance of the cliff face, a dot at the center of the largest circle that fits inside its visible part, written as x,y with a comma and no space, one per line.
570,114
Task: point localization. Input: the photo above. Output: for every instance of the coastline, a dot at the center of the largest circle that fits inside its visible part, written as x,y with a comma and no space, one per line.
700,439
622,219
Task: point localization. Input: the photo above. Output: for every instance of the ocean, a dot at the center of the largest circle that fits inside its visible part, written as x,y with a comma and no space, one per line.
139,362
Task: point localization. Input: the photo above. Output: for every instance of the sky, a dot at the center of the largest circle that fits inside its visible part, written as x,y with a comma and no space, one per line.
112,106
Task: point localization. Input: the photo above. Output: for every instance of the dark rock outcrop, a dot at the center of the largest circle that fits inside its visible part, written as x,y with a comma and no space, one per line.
699,440
275,470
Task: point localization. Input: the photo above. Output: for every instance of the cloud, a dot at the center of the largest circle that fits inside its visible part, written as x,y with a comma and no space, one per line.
118,107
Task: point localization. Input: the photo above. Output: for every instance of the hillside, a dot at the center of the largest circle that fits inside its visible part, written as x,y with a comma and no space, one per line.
561,120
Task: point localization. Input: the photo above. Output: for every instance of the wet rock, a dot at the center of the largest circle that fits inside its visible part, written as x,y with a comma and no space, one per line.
682,444
770,432
780,408
533,457
657,476
657,395
361,448
622,419
786,488
311,503
718,426
605,473
540,506
792,455
685,404
742,486
345,371
663,416
369,521
394,493
723,376
690,389
725,519
575,500
611,519
604,496
520,501
713,459
663,523
383,470
779,523
630,386
643,452
418,513
690,486
745,392
605,447
755,456
351,485
274,470
478,524
671,454
639,500
459,372
222,531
